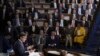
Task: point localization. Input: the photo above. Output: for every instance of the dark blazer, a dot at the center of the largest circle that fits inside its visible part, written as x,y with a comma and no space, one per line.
52,4
19,49
82,10
36,30
61,30
53,21
65,22
1,12
48,32
70,1
7,30
52,41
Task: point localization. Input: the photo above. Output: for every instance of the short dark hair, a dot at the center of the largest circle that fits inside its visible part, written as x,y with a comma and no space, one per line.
22,34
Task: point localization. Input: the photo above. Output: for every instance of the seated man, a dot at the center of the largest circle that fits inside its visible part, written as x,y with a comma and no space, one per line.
19,47
52,41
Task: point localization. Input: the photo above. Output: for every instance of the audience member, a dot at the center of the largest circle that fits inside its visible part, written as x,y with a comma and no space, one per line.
52,41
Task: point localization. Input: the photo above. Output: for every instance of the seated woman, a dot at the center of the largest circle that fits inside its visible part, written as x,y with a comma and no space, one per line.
80,33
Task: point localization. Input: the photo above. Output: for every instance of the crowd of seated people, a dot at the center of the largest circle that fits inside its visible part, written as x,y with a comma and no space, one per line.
55,31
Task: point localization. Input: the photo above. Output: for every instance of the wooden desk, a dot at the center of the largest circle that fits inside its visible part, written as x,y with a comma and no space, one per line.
60,53
47,53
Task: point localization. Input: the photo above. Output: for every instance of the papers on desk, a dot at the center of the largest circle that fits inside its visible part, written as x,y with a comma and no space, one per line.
69,54
54,52
34,54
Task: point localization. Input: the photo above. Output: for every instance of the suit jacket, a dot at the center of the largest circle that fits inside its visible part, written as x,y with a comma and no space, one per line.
78,1
61,30
19,49
51,22
1,12
52,4
82,10
27,23
36,31
48,31
55,17
68,10
50,41
9,30
19,3
41,40
70,1
65,22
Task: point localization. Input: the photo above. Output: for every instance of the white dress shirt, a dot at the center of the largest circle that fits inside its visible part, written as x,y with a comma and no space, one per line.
84,4
76,2
51,23
57,30
74,16
2,1
55,5
69,11
33,28
18,22
73,5
9,29
73,23
62,23
68,1
36,15
30,22
90,11
64,5
4,11
79,11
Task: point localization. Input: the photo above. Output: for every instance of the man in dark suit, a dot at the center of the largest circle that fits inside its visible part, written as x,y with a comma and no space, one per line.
34,28
52,41
69,1
63,22
55,14
19,46
1,11
41,41
29,21
54,4
9,28
58,29
69,10
80,10
7,45
20,3
51,20
46,28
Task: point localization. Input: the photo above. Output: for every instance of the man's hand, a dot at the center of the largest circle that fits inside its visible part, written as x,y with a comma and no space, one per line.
30,47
